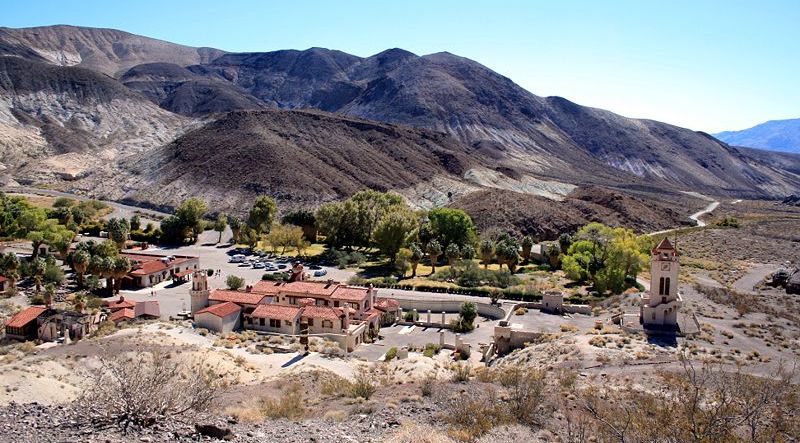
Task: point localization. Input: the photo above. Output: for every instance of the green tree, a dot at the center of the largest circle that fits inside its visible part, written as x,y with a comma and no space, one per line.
468,252
190,214
508,254
234,282
434,250
135,223
9,265
553,254
450,225
452,253
486,250
262,214
339,223
416,256
173,231
118,230
371,207
402,262
392,231
564,242
80,263
305,219
122,266
37,269
527,246
220,225
235,224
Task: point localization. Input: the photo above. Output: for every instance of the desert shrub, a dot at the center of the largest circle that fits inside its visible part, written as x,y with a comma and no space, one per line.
210,272
410,432
390,354
525,390
472,412
460,372
289,405
427,385
363,385
411,316
53,274
146,388
431,349
278,276
521,311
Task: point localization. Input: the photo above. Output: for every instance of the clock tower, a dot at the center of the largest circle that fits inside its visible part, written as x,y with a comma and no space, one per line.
660,305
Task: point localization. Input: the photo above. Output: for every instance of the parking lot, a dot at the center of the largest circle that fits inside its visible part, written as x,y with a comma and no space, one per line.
174,298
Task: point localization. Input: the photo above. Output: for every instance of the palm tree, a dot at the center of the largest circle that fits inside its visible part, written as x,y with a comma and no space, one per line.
122,266
487,252
38,267
416,256
106,270
434,250
80,263
452,253
49,294
220,224
527,245
10,262
79,302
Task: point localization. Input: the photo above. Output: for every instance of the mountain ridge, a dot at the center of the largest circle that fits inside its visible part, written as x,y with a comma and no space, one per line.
774,135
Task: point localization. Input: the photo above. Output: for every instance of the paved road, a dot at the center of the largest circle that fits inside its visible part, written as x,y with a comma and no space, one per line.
696,216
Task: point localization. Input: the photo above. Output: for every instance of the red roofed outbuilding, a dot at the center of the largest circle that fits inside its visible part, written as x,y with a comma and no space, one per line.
221,317
23,324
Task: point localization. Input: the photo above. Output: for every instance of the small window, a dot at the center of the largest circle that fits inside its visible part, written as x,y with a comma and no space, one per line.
274,323
311,322
336,304
263,323
287,322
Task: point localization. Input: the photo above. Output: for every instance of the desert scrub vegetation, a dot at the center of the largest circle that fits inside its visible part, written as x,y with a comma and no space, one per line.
363,385
149,387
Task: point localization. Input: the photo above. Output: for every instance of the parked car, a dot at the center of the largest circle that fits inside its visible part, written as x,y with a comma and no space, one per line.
259,265
282,266
320,272
238,258
314,267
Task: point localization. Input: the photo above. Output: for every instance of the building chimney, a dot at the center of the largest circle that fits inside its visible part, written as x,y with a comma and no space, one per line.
248,288
372,293
346,319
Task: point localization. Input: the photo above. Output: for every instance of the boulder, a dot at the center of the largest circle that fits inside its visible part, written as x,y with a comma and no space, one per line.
793,284
214,431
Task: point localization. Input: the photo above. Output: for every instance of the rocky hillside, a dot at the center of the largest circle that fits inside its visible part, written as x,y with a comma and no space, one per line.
300,157
104,50
546,219
137,92
548,137
774,135
68,121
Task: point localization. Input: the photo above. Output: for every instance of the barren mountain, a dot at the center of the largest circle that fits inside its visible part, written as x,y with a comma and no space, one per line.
547,137
774,135
108,51
546,219
68,121
500,135
300,157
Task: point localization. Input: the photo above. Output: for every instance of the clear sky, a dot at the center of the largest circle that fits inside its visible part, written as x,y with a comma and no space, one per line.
708,65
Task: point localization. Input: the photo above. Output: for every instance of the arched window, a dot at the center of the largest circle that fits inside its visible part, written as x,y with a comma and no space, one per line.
661,286
666,286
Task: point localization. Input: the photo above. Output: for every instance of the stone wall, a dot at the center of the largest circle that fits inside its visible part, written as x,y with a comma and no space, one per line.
422,306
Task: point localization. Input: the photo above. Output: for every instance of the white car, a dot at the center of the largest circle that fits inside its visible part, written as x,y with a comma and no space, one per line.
320,273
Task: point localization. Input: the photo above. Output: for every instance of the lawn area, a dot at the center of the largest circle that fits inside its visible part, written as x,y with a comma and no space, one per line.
314,250
39,201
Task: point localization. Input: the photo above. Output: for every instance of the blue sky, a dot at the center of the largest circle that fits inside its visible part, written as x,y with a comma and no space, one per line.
707,65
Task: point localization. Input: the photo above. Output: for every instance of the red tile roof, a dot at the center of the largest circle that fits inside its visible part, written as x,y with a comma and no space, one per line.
665,245
150,267
347,293
221,309
318,289
387,304
119,304
25,316
322,312
147,264
277,312
242,298
122,314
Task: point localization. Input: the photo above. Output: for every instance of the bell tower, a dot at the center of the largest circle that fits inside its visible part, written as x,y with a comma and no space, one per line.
661,304
199,293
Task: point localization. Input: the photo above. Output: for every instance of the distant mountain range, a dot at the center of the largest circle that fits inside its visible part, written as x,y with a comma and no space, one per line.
774,135
112,114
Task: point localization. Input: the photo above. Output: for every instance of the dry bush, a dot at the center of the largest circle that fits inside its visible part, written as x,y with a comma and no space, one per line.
427,385
525,390
363,385
410,432
509,434
461,372
702,404
148,387
289,405
472,411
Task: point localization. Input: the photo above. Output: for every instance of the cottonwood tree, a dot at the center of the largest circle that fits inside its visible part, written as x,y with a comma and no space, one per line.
392,231
262,214
190,214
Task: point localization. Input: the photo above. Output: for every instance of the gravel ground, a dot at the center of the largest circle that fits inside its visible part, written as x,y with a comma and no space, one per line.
37,423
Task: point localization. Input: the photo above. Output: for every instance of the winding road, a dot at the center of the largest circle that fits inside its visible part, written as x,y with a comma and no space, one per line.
696,217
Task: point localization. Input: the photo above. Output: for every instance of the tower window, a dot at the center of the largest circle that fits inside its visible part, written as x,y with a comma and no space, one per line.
666,286
661,286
